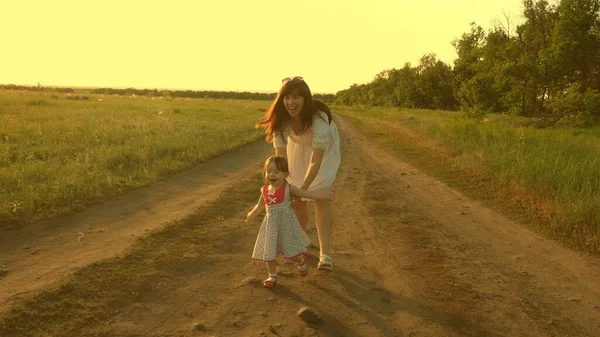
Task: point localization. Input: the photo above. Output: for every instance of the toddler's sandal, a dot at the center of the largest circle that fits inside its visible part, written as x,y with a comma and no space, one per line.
304,272
271,282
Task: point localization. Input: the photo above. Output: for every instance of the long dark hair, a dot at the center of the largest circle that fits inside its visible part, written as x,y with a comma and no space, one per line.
277,117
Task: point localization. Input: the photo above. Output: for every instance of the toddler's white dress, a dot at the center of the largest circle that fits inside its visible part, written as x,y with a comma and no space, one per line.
280,231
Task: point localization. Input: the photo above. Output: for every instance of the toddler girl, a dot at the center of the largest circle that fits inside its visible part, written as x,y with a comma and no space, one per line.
280,231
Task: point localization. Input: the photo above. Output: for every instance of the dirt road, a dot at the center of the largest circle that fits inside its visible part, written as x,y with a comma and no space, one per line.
412,257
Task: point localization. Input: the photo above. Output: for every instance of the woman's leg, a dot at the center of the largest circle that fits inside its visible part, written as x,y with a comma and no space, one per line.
301,210
324,220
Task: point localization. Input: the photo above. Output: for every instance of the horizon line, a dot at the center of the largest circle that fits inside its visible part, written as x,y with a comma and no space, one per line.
148,88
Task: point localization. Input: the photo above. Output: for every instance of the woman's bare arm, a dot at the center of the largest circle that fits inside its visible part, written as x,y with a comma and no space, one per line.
316,159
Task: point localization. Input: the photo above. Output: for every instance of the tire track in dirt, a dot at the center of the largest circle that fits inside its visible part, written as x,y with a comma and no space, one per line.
365,251
40,255
386,243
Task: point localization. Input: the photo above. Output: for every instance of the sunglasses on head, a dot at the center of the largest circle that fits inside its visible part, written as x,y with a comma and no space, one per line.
292,79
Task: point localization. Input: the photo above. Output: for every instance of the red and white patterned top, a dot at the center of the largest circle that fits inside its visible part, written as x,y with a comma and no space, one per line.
275,197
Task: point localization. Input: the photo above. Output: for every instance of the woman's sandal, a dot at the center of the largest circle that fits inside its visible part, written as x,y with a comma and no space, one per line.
325,263
271,282
304,263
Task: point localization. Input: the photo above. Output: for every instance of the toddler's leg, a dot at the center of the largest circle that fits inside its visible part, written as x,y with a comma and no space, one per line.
272,268
272,280
302,264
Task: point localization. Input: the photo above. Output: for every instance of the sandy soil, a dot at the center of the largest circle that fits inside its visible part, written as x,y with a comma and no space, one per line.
412,257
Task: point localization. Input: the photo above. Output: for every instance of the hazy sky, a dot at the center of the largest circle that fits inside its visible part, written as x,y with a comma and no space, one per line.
239,45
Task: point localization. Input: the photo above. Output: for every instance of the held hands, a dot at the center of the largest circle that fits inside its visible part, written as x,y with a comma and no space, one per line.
302,193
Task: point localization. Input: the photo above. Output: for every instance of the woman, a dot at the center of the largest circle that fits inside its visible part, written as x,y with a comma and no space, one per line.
302,130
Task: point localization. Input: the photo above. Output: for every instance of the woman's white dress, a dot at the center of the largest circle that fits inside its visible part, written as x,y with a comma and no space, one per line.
322,135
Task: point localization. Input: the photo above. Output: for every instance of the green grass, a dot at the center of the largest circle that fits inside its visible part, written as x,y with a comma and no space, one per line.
60,153
552,175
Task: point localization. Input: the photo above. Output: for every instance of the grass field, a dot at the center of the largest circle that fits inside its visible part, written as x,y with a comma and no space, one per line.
62,152
547,176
